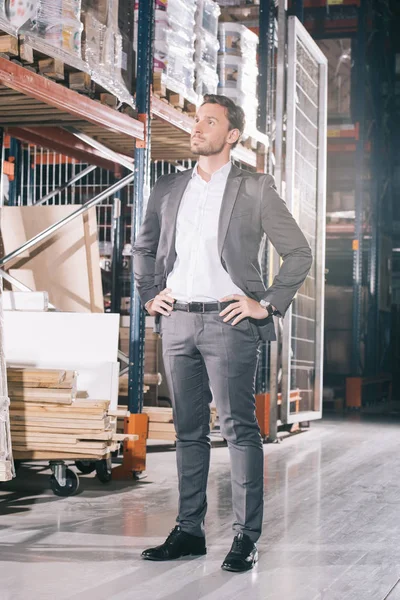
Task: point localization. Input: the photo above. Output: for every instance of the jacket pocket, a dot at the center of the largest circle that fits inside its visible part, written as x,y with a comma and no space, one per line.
241,215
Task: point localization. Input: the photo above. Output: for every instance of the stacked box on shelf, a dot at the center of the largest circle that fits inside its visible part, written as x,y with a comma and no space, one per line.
105,48
207,46
56,22
237,68
174,40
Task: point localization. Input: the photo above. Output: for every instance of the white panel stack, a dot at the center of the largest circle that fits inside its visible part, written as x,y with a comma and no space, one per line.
207,46
237,68
82,342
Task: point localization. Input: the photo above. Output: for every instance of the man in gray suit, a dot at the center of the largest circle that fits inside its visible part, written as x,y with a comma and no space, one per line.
197,269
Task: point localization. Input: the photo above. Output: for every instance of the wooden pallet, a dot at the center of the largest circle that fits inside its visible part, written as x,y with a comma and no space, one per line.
18,50
176,100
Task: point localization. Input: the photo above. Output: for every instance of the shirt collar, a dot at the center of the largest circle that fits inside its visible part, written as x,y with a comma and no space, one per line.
223,172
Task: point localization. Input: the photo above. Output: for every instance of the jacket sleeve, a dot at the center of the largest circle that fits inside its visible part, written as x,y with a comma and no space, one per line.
145,250
290,243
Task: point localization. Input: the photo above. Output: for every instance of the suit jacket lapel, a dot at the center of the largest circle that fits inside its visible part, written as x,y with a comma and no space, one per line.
228,202
171,214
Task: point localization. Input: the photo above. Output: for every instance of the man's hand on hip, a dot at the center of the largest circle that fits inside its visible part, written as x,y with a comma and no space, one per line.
242,308
161,305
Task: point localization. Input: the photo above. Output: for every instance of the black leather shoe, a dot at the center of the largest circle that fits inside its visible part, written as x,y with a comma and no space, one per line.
242,556
178,543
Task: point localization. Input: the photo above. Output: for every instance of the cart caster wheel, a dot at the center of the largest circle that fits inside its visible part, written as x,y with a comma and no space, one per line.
103,470
85,466
71,484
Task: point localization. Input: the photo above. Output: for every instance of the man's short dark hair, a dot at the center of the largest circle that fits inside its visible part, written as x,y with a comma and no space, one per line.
234,113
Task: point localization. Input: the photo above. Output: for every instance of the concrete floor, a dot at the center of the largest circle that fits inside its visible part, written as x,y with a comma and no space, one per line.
332,527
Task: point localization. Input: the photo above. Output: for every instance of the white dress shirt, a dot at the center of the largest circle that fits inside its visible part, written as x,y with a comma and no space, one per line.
198,275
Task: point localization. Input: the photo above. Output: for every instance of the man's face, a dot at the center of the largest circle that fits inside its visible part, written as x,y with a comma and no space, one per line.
211,131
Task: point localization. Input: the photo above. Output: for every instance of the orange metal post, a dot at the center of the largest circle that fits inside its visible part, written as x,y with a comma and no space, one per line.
263,403
134,458
353,392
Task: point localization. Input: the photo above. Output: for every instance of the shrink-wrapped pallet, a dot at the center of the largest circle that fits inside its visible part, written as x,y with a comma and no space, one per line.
207,47
174,44
237,67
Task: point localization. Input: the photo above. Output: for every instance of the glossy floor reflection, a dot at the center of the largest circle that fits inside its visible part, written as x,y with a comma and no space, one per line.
332,527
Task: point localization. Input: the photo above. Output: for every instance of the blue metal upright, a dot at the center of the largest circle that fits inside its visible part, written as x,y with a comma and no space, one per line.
377,76
264,121
264,66
141,183
359,115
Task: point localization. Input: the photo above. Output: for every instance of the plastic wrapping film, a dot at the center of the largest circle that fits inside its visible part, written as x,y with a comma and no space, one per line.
174,44
248,102
206,80
6,460
237,73
56,22
207,47
94,36
107,46
14,14
237,40
208,13
238,69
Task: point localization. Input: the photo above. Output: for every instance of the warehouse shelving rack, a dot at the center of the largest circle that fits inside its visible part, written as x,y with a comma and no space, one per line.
39,111
361,144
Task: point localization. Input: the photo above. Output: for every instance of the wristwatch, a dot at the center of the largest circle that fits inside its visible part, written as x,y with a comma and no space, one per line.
269,308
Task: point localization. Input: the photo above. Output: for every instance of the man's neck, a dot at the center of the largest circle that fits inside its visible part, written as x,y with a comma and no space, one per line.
208,165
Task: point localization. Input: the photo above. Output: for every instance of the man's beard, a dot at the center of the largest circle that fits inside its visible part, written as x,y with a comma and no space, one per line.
207,149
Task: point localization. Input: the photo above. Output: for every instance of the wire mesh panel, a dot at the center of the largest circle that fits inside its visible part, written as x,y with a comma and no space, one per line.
305,196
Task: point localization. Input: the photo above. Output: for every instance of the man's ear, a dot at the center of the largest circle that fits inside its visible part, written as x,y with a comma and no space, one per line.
233,136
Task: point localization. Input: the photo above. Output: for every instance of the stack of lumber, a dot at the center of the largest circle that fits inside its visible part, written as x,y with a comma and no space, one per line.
148,379
152,376
161,425
49,422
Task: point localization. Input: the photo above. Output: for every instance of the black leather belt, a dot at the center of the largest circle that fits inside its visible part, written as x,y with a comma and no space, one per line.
201,307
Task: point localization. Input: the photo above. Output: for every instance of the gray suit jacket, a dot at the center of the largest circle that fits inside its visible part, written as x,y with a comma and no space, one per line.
251,208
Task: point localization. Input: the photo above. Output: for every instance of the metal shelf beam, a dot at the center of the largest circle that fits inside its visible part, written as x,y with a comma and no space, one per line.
53,94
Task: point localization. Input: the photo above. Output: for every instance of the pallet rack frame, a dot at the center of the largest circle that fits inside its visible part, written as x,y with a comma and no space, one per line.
69,122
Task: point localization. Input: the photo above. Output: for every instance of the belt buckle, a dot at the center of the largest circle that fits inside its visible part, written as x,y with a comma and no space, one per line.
197,307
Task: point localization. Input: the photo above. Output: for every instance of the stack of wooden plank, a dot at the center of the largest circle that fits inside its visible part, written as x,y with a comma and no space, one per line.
49,422
152,377
161,425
